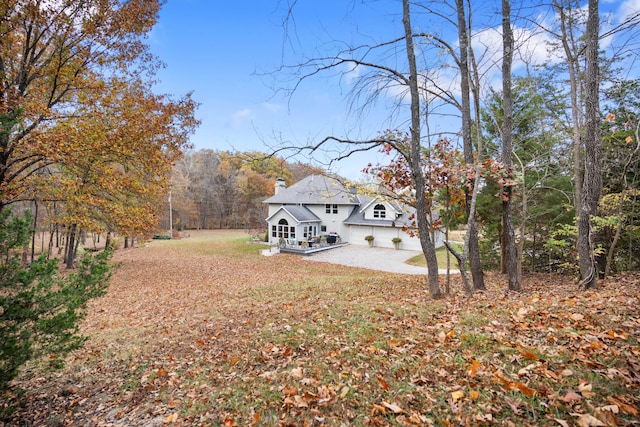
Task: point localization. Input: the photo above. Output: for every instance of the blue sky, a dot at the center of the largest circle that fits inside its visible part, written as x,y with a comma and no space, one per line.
226,52
218,49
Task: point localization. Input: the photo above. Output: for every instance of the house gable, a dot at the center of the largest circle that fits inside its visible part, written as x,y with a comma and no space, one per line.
380,210
296,214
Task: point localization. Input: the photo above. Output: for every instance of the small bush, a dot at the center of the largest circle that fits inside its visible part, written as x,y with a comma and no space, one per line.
40,310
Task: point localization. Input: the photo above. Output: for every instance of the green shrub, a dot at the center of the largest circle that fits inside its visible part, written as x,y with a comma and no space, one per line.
40,309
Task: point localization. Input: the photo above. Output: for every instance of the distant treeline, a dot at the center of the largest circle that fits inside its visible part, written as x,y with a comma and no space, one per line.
217,189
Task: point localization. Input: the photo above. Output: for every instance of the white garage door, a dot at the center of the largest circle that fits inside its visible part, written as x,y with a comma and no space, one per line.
383,237
358,233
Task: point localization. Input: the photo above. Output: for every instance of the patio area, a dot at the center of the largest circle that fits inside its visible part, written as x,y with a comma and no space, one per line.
302,250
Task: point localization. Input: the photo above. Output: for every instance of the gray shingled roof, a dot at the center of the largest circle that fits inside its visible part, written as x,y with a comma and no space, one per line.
300,213
316,190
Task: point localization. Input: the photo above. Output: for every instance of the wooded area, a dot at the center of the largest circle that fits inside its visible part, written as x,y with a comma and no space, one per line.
219,189
534,149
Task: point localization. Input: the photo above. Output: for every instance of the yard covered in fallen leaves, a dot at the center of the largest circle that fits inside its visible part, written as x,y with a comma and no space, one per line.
206,331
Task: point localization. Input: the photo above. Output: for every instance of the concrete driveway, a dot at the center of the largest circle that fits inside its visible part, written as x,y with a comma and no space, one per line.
381,259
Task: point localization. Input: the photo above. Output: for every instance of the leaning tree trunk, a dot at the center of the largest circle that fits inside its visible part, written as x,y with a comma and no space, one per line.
507,147
592,183
427,244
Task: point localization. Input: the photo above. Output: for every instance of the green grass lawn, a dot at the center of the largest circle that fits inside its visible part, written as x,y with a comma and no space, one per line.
441,254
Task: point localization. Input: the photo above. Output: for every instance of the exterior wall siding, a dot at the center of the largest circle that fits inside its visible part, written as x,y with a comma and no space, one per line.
333,222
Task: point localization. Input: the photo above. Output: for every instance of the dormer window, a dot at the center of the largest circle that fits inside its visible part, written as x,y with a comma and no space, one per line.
379,211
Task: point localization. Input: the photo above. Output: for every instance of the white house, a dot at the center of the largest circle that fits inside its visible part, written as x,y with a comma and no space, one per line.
319,206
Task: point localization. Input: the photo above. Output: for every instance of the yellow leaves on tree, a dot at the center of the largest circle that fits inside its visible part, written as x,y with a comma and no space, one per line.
79,124
123,156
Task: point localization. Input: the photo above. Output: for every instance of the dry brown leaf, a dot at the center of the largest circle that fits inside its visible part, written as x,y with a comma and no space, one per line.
255,419
526,370
566,372
607,416
296,373
570,397
527,391
378,409
625,407
473,368
457,395
529,355
383,383
173,418
609,408
393,407
229,422
301,401
585,389
345,390
289,390
588,420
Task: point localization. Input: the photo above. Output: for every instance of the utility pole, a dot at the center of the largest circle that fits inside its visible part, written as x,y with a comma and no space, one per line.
170,218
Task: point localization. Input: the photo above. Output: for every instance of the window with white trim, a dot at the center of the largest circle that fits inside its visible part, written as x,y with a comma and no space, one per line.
379,211
331,208
283,230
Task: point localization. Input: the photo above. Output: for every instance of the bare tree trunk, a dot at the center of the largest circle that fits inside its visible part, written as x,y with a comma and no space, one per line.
107,241
472,222
592,183
51,234
463,268
427,244
472,227
71,247
507,148
35,230
573,66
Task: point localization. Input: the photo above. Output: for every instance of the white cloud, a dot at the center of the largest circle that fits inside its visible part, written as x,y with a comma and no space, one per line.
628,7
352,72
239,118
273,107
531,47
